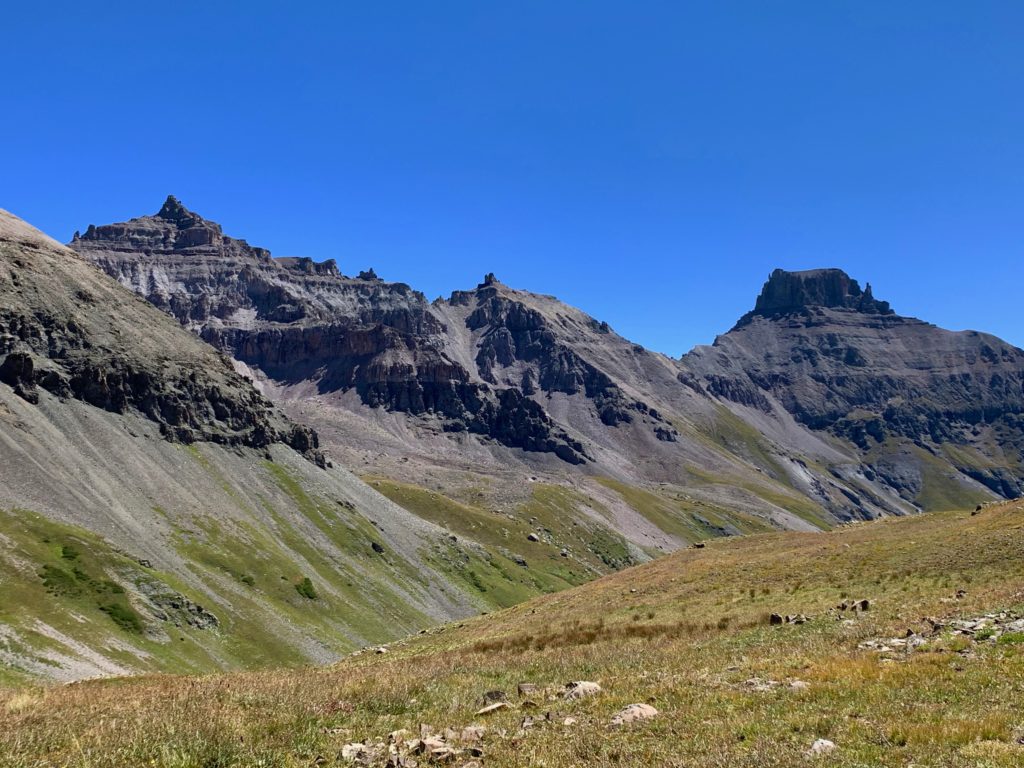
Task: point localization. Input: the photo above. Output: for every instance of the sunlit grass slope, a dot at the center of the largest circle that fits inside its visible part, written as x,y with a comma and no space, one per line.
688,633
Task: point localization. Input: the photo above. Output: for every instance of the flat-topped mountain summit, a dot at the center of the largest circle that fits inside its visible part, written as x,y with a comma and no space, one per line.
794,291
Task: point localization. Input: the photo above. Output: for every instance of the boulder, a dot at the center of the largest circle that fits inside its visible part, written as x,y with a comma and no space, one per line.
634,713
821,747
581,689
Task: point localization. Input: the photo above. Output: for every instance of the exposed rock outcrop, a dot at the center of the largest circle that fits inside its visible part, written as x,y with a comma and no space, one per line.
66,330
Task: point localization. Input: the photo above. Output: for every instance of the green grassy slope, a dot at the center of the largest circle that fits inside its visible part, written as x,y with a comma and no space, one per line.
688,633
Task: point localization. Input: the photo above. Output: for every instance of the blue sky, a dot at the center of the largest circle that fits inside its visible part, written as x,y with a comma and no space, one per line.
649,162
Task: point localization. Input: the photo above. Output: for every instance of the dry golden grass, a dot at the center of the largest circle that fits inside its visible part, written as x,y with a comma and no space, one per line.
683,633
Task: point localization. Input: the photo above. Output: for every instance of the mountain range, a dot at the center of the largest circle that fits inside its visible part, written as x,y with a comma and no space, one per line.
821,389
213,457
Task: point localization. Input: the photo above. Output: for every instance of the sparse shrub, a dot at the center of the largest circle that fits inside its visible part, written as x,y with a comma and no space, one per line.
68,552
248,580
306,589
123,615
58,581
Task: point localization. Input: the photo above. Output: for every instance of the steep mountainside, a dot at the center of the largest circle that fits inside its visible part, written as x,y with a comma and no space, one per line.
472,395
157,512
921,405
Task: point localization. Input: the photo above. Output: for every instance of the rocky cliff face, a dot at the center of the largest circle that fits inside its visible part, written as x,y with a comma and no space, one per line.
821,393
296,320
789,292
66,329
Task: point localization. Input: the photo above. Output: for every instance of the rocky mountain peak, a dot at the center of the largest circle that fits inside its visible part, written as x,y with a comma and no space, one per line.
786,292
172,210
174,229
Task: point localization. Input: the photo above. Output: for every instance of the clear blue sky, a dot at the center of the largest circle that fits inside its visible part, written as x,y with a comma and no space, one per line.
648,162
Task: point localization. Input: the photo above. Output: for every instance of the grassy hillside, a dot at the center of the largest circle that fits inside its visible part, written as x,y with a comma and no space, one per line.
689,634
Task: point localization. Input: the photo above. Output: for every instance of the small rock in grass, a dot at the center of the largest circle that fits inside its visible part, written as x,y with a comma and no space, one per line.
775,619
525,689
634,713
581,689
821,747
492,696
443,754
490,708
352,751
570,721
799,685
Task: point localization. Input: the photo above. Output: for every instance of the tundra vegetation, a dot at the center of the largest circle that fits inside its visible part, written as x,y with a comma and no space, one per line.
930,674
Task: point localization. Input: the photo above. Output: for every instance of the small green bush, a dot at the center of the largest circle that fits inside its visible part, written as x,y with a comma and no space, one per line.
248,580
126,618
306,589
1012,638
68,552
58,581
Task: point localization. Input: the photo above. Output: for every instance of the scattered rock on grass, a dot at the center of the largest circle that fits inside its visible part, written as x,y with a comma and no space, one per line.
821,747
634,713
490,708
581,689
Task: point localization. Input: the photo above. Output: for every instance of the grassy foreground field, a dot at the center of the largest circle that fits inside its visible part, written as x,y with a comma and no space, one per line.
688,634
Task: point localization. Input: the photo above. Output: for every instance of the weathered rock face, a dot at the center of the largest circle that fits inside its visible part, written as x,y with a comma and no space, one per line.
66,329
297,320
840,361
787,292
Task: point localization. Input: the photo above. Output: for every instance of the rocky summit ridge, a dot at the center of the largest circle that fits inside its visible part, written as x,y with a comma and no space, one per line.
821,393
